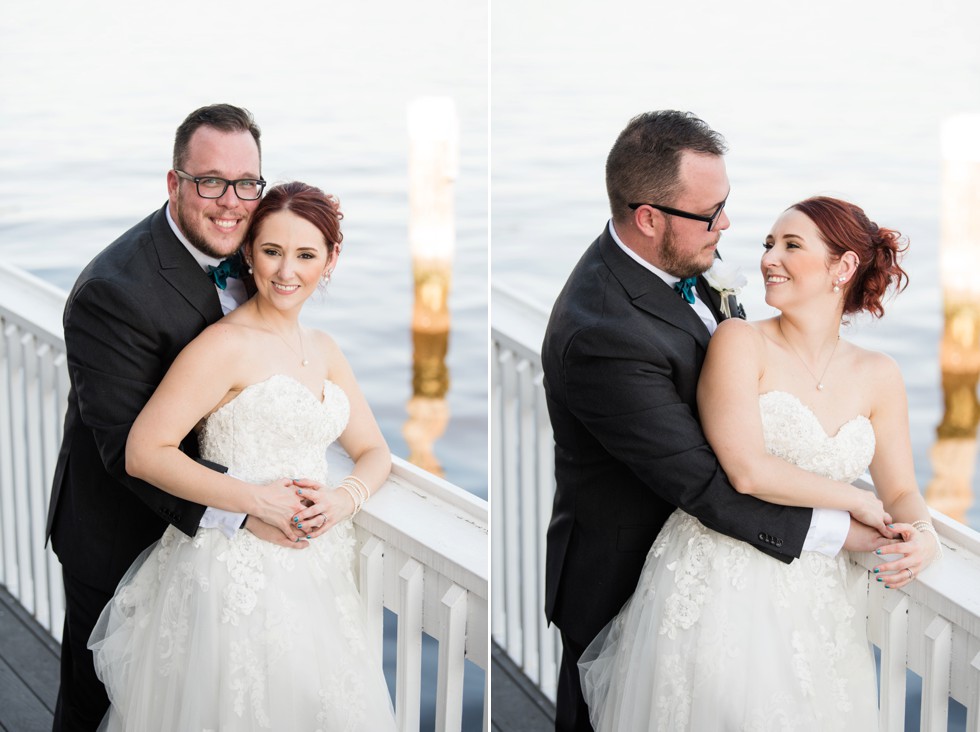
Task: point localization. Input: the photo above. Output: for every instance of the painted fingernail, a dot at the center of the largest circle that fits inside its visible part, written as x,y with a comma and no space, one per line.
876,570
888,587
295,519
880,579
300,526
877,551
297,541
891,526
299,491
309,536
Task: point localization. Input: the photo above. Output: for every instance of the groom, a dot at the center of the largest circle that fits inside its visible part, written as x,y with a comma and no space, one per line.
621,358
132,310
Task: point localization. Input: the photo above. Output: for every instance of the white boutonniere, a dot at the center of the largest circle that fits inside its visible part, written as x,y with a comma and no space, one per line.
728,280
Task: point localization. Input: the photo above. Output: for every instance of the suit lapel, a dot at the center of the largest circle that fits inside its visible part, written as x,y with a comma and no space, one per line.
650,293
185,275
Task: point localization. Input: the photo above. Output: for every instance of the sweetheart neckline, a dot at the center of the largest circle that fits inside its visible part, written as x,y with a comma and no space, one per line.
320,401
813,414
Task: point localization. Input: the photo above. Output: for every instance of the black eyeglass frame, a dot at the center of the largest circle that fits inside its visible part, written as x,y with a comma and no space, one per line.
260,184
709,220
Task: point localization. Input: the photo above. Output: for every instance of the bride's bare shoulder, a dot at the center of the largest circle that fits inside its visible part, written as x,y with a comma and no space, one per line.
735,334
226,336
875,368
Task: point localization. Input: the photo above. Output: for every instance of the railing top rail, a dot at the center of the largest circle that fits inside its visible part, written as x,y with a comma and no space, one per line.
442,526
32,303
518,322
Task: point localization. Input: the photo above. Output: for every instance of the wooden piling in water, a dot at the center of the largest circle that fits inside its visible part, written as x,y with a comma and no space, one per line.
954,453
433,162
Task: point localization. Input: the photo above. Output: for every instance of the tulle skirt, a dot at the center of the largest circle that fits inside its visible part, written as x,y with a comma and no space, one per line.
720,637
208,633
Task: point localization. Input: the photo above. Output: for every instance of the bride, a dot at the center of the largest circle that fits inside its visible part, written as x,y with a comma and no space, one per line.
718,636
211,632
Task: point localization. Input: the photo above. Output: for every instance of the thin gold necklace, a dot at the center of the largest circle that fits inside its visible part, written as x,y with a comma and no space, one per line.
779,324
299,334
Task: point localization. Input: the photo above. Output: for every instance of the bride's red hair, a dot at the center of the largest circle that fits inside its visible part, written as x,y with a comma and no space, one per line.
844,227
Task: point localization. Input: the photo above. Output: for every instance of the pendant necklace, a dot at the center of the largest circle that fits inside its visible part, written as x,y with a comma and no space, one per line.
779,324
299,334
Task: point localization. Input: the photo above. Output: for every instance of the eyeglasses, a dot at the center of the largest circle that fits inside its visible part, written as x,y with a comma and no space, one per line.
709,220
208,186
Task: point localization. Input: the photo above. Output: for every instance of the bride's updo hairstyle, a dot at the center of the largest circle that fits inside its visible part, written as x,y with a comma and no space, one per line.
844,227
306,201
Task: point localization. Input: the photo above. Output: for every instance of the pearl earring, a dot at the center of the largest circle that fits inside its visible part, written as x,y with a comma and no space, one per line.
840,281
250,268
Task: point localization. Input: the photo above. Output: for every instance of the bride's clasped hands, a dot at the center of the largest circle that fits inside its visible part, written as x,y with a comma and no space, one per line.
919,547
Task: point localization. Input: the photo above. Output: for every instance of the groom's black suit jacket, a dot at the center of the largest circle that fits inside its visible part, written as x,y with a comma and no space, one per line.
621,357
132,310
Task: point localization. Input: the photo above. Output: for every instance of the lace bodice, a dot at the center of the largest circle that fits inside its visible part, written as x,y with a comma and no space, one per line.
276,428
793,432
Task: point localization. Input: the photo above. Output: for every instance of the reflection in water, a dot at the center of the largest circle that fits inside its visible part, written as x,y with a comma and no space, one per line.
433,162
954,453
428,413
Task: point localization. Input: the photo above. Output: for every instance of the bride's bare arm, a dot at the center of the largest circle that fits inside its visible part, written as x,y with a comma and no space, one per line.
200,379
728,403
893,471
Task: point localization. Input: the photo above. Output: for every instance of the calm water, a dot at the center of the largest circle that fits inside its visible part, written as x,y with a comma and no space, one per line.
90,98
840,98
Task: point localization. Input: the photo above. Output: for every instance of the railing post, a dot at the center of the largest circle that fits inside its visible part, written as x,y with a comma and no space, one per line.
408,675
935,677
449,684
894,654
549,641
510,497
973,706
8,553
531,606
498,613
372,575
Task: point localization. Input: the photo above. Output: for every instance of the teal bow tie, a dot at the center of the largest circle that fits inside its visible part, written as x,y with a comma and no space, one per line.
230,267
685,288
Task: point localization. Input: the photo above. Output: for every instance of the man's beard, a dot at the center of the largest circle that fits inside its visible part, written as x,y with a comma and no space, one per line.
678,263
197,240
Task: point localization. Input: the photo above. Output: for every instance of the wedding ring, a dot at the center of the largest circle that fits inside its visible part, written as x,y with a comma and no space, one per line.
909,570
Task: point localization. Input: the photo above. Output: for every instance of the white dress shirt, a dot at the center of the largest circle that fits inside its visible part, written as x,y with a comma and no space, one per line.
230,298
828,527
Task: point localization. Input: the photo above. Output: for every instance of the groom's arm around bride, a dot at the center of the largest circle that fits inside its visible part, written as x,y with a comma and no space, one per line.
621,360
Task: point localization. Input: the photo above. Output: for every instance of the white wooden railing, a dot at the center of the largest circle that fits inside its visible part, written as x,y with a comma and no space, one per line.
932,628
423,542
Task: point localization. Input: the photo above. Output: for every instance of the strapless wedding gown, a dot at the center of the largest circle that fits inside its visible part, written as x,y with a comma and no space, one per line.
207,633
719,636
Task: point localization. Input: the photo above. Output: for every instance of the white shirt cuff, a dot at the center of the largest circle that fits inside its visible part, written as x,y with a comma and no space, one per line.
228,522
828,531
